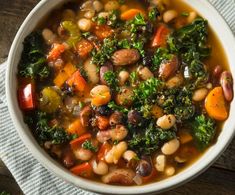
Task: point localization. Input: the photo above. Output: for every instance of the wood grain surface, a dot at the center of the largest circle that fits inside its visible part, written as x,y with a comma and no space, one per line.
217,180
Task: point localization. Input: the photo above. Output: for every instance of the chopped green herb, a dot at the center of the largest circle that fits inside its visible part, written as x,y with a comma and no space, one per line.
115,107
185,14
89,146
111,79
153,14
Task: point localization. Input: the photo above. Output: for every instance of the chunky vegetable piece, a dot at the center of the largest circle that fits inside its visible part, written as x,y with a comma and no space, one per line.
124,92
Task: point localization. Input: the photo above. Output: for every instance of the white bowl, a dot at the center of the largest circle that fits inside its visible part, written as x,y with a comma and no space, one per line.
40,11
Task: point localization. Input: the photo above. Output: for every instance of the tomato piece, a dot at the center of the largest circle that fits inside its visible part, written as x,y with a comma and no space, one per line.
83,170
103,150
26,96
77,81
150,177
78,141
160,38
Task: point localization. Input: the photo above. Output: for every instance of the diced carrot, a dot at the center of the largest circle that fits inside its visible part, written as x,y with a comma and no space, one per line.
151,176
76,128
84,47
83,170
56,51
185,137
160,38
64,74
77,81
103,31
103,150
78,141
102,122
101,99
26,96
131,13
215,104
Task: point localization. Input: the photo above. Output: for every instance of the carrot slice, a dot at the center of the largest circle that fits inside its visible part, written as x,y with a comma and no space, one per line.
78,141
56,51
83,48
103,150
160,38
215,104
83,170
76,128
131,13
103,31
77,81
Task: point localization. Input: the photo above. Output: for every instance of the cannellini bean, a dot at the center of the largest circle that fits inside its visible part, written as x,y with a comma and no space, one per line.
49,36
170,171
200,94
170,147
84,24
100,168
123,77
103,15
169,15
87,5
118,133
103,136
98,6
116,152
226,82
160,162
166,121
192,16
83,154
129,154
144,73
175,81
91,71
111,5
89,14
209,85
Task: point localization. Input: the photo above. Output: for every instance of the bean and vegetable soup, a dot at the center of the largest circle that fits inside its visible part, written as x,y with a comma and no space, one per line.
124,92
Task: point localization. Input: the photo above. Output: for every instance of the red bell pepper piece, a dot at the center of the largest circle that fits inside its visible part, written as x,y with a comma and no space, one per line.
160,38
26,96
83,170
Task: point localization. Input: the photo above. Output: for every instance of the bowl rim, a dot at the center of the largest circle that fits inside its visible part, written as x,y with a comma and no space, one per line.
195,169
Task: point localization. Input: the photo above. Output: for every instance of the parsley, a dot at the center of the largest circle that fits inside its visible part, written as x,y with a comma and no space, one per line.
160,55
101,20
115,107
124,44
185,14
133,77
86,34
111,79
89,146
153,14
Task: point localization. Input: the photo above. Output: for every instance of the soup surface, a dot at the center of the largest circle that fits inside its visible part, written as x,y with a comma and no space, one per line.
124,92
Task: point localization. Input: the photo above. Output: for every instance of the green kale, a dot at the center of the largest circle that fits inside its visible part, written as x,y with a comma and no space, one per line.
160,55
153,14
89,146
33,60
146,90
184,14
101,20
114,19
111,79
116,107
100,56
150,139
203,130
124,44
133,77
39,122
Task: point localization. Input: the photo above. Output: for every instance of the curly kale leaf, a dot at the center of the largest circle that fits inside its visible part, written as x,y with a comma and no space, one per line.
39,122
111,79
150,139
203,130
33,60
160,55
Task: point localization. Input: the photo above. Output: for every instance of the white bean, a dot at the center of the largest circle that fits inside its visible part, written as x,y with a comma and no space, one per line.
49,36
89,14
103,136
84,24
175,81
128,155
169,15
166,121
160,162
123,77
83,154
111,5
98,6
118,133
179,159
170,147
116,152
170,171
103,15
192,16
200,94
209,86
87,5
100,168
144,73
91,71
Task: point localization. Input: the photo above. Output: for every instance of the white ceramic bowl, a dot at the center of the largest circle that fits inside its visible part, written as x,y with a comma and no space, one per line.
40,11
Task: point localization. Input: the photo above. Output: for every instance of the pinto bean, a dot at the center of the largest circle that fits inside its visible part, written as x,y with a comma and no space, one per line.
119,176
226,82
68,158
103,70
85,115
116,118
134,117
144,168
124,97
124,57
118,133
170,147
103,136
175,81
216,74
144,73
168,68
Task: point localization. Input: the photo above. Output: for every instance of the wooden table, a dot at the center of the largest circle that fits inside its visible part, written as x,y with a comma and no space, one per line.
219,179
